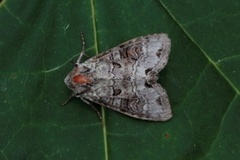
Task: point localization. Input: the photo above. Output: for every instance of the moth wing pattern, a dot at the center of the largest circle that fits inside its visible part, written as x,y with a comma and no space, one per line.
133,98
134,58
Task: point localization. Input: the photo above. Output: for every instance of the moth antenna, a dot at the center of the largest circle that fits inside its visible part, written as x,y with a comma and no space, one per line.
83,49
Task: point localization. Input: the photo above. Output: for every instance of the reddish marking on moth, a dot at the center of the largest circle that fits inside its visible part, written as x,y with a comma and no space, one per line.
81,79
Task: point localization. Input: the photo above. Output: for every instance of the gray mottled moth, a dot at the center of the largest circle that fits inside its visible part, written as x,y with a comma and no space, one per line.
124,78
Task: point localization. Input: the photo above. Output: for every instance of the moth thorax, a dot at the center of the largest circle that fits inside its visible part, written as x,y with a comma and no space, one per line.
81,79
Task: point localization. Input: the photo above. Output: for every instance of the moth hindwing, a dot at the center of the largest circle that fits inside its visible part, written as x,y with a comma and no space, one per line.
124,78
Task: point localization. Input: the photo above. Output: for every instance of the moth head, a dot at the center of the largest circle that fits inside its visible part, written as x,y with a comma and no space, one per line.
78,78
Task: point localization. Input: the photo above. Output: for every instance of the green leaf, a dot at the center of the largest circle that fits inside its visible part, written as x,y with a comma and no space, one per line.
38,39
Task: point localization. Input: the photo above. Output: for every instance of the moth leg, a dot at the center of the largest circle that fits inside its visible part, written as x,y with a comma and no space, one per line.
90,104
70,97
83,49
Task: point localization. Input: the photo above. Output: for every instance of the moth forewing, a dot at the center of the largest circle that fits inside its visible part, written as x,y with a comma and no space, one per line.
124,78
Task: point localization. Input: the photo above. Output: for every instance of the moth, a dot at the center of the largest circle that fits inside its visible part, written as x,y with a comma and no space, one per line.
124,78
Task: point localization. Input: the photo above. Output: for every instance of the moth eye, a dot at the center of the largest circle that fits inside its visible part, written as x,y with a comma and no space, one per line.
75,65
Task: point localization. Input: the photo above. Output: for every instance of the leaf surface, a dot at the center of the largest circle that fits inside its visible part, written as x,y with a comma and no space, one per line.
38,39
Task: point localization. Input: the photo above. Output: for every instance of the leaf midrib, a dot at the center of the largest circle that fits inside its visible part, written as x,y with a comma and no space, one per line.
102,108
